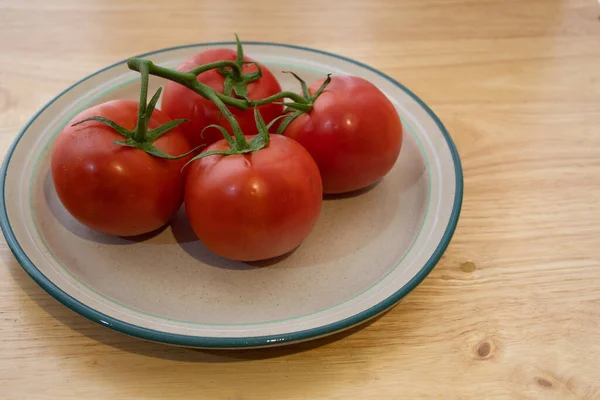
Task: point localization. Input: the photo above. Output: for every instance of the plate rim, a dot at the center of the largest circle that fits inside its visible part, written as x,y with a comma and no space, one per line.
233,342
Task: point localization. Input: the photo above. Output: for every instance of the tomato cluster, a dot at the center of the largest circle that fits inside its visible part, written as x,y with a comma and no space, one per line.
250,168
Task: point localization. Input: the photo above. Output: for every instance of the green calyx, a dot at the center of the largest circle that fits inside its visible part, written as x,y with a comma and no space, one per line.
236,146
235,80
296,108
140,137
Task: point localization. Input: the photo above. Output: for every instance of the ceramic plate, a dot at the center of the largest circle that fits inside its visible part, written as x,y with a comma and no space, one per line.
366,252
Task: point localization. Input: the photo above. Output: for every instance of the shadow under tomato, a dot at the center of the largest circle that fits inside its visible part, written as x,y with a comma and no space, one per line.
187,240
353,193
63,217
271,261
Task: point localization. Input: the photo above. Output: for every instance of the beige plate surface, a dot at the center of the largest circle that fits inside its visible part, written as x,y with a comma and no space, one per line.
366,252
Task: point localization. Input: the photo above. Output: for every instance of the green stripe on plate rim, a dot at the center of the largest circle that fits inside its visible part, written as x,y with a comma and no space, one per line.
231,342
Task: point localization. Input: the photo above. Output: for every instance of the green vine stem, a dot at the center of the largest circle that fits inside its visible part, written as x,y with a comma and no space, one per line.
235,67
295,97
235,82
235,127
188,79
141,126
300,103
140,137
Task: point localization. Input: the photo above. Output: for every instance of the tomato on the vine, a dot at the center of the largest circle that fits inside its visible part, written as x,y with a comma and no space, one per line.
353,132
256,205
118,189
180,102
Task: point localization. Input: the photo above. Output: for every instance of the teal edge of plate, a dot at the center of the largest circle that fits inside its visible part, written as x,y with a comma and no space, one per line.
229,342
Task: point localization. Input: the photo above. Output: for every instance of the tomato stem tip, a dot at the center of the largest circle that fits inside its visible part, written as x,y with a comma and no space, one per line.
141,137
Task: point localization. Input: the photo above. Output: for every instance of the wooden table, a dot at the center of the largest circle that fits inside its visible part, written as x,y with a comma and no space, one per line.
512,311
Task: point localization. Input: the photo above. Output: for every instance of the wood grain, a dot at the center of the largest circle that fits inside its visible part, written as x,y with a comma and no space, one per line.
512,311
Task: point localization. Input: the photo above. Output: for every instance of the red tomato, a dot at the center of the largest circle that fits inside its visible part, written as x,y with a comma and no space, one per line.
257,205
114,189
353,132
181,102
